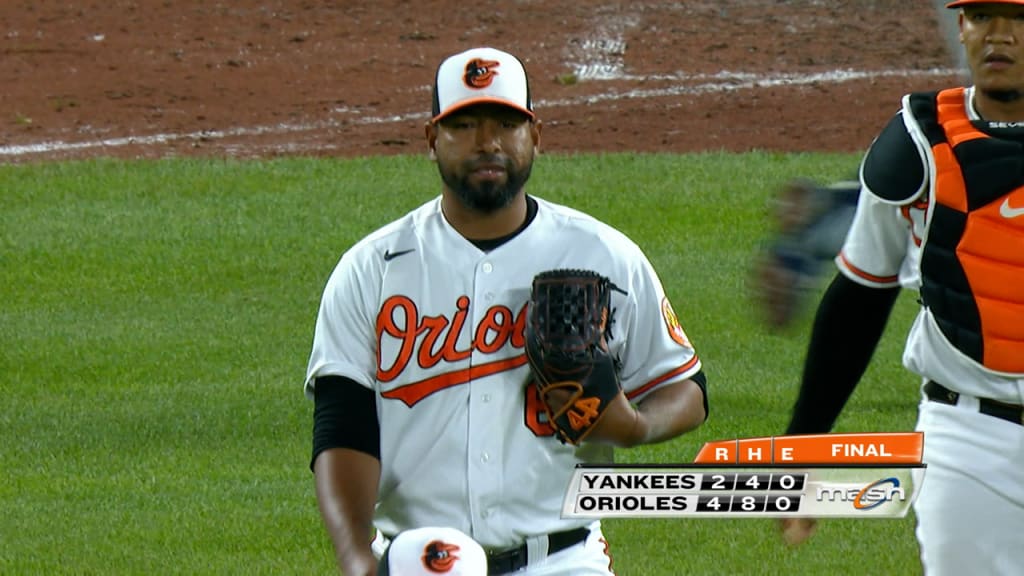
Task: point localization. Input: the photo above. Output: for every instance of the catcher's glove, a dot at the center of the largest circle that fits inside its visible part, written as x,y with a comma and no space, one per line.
568,324
811,223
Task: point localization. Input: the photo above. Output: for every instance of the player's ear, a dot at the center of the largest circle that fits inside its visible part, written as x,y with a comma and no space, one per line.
430,131
535,129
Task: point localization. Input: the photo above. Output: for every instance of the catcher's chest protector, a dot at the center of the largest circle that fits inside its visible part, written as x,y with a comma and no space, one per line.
972,259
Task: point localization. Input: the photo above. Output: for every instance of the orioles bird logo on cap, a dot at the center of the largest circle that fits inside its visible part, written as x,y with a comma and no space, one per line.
480,73
439,556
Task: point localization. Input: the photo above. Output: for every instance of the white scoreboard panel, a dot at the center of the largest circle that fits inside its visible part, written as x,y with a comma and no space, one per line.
703,491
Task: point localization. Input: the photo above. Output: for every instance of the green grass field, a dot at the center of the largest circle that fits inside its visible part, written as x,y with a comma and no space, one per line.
156,318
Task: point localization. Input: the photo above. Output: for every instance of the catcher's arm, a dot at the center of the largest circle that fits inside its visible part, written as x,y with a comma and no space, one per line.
796,531
848,326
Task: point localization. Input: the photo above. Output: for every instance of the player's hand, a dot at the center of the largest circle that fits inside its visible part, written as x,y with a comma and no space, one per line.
796,530
621,425
359,564
777,290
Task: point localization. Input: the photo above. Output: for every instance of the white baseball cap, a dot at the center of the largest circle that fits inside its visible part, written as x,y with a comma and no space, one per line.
478,76
433,551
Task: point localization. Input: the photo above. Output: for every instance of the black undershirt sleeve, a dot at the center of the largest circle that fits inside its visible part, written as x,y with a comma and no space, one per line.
344,416
702,382
848,325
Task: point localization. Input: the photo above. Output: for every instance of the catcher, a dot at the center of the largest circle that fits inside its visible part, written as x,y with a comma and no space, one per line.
469,355
941,214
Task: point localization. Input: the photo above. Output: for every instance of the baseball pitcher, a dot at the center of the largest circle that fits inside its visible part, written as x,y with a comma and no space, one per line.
429,411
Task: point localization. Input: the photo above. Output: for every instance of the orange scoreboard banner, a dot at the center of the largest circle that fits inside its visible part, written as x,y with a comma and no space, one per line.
873,475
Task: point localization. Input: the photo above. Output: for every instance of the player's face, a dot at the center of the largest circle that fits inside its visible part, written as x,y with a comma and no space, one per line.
484,154
992,35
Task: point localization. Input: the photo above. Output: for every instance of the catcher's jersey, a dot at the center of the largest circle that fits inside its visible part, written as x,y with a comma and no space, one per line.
435,327
883,249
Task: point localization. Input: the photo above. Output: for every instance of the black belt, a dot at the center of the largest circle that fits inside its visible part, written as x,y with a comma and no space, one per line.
511,560
1010,412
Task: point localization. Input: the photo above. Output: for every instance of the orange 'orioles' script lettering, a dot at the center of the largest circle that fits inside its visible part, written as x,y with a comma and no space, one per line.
399,319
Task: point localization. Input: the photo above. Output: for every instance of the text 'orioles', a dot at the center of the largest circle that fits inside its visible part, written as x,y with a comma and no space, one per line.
400,320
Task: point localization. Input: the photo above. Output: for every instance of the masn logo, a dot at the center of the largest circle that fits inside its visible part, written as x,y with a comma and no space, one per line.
868,497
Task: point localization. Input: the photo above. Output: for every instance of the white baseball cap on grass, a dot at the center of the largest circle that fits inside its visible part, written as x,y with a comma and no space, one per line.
480,76
433,551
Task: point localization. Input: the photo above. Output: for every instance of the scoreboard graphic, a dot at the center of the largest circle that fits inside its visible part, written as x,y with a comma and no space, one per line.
821,475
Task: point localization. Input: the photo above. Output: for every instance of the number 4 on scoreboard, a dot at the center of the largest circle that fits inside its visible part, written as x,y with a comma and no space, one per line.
760,482
714,503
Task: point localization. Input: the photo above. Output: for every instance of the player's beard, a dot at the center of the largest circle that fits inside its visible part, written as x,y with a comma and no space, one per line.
488,196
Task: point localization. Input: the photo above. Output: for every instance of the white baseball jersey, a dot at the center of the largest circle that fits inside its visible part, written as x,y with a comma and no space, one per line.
972,457
435,327
883,248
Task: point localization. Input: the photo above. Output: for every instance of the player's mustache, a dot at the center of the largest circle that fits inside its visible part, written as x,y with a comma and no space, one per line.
490,160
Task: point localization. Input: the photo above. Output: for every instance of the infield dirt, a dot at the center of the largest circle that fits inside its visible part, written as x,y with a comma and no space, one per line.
153,78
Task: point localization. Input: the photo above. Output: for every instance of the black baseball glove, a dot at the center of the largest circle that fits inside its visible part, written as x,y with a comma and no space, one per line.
568,324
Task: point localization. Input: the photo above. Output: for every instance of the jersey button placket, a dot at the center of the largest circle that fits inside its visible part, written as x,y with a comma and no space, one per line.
486,410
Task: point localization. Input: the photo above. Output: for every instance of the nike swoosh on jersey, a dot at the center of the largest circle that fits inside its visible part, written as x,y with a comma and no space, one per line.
1006,211
388,254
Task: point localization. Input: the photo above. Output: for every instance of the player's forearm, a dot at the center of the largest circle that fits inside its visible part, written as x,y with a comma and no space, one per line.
346,490
848,325
669,412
